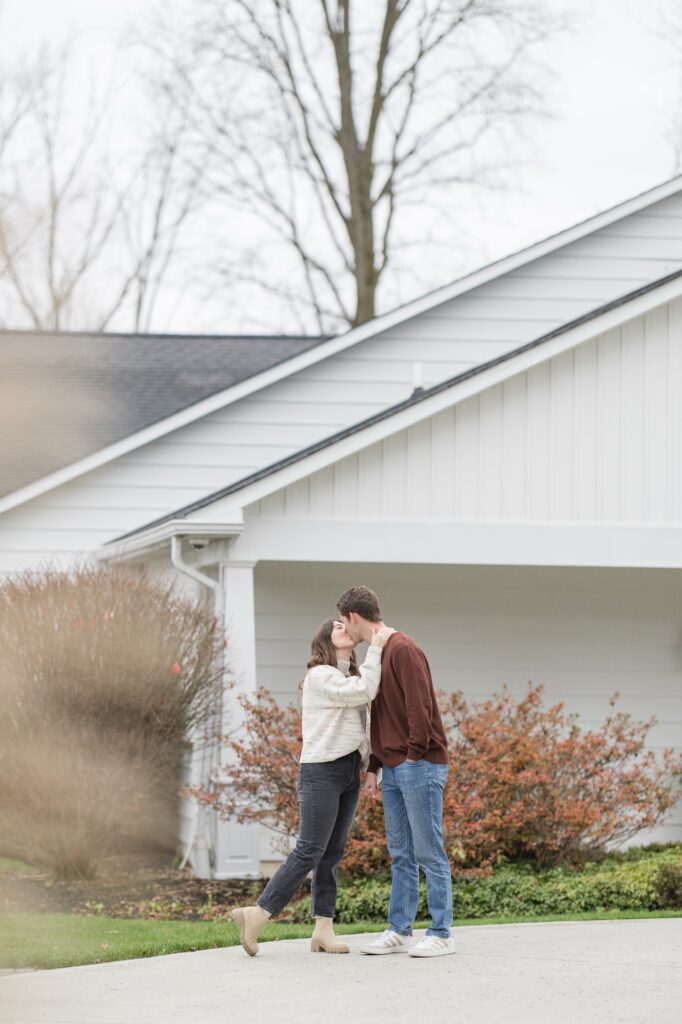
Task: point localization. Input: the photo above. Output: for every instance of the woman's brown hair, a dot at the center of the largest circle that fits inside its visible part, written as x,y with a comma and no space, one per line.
323,652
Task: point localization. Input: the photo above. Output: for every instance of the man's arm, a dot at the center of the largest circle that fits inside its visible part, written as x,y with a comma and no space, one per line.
412,673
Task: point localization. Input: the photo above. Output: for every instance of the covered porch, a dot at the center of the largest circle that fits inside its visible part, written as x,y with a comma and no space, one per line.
583,632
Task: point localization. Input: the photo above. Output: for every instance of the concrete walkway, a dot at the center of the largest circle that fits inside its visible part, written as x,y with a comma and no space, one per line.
597,972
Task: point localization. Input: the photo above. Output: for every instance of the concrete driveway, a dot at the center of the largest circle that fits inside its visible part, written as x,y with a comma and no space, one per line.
597,971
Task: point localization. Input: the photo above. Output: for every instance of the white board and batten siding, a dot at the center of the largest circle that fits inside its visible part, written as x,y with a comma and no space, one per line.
345,388
584,634
593,435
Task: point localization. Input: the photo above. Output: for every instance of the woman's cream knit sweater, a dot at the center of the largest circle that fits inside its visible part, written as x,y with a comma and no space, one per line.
335,720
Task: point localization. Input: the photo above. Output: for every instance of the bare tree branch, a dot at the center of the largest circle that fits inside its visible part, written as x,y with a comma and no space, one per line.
67,257
330,117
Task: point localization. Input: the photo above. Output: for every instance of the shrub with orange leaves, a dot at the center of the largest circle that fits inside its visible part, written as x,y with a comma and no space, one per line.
525,782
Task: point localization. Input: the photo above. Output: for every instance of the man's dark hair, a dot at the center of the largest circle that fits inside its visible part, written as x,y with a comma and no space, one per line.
361,600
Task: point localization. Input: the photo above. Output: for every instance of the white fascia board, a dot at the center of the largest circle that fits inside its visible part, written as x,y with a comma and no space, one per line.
335,345
452,542
232,504
141,545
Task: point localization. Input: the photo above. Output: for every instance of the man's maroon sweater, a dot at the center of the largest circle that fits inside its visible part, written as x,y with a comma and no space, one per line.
405,720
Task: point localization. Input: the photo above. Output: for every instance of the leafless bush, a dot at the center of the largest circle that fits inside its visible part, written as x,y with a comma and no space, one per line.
102,675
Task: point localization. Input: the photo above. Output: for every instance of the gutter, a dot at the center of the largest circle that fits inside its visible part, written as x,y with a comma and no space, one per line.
146,542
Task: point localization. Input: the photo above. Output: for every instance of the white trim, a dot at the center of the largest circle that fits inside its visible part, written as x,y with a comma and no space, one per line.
237,847
231,504
452,542
335,345
143,544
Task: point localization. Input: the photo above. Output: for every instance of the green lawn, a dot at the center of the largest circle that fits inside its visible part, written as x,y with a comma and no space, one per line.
65,940
17,867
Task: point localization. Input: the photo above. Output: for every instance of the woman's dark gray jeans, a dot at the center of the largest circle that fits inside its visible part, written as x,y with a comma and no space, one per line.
328,794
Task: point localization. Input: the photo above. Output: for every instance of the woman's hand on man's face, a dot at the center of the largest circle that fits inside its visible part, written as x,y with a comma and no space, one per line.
380,638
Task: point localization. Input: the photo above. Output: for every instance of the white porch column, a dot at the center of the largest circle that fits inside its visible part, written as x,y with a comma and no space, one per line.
237,853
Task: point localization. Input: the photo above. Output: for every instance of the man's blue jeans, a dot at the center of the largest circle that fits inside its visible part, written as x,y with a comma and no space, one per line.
413,810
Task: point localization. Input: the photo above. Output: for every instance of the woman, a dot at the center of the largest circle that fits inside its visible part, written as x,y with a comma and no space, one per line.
335,749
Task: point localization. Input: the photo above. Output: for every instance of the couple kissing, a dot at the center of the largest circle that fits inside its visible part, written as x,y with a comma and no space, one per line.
381,717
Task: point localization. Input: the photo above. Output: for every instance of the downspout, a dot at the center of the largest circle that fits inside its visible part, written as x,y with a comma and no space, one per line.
199,840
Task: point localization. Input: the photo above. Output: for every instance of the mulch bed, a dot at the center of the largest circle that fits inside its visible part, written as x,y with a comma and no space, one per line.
131,891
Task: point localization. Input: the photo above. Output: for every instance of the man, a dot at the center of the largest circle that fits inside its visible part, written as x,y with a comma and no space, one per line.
409,745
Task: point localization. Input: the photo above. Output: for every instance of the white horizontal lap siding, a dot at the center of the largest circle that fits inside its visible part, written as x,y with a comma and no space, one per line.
625,248
539,296
584,634
156,479
19,561
591,436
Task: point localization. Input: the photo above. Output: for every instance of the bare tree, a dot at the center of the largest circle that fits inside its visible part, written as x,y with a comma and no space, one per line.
163,194
86,236
340,124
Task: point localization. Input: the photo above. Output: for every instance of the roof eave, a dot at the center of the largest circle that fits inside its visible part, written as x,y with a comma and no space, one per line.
140,546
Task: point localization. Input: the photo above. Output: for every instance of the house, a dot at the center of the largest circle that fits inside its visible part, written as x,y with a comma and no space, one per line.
519,510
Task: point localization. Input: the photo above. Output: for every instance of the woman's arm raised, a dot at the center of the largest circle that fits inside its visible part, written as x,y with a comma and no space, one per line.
349,691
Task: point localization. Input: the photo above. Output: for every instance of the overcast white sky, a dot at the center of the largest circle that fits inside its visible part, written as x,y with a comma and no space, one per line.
617,88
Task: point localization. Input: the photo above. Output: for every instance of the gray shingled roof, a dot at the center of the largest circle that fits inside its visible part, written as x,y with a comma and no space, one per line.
65,396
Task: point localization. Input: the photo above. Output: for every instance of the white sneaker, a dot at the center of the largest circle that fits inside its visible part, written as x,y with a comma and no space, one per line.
389,942
432,945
